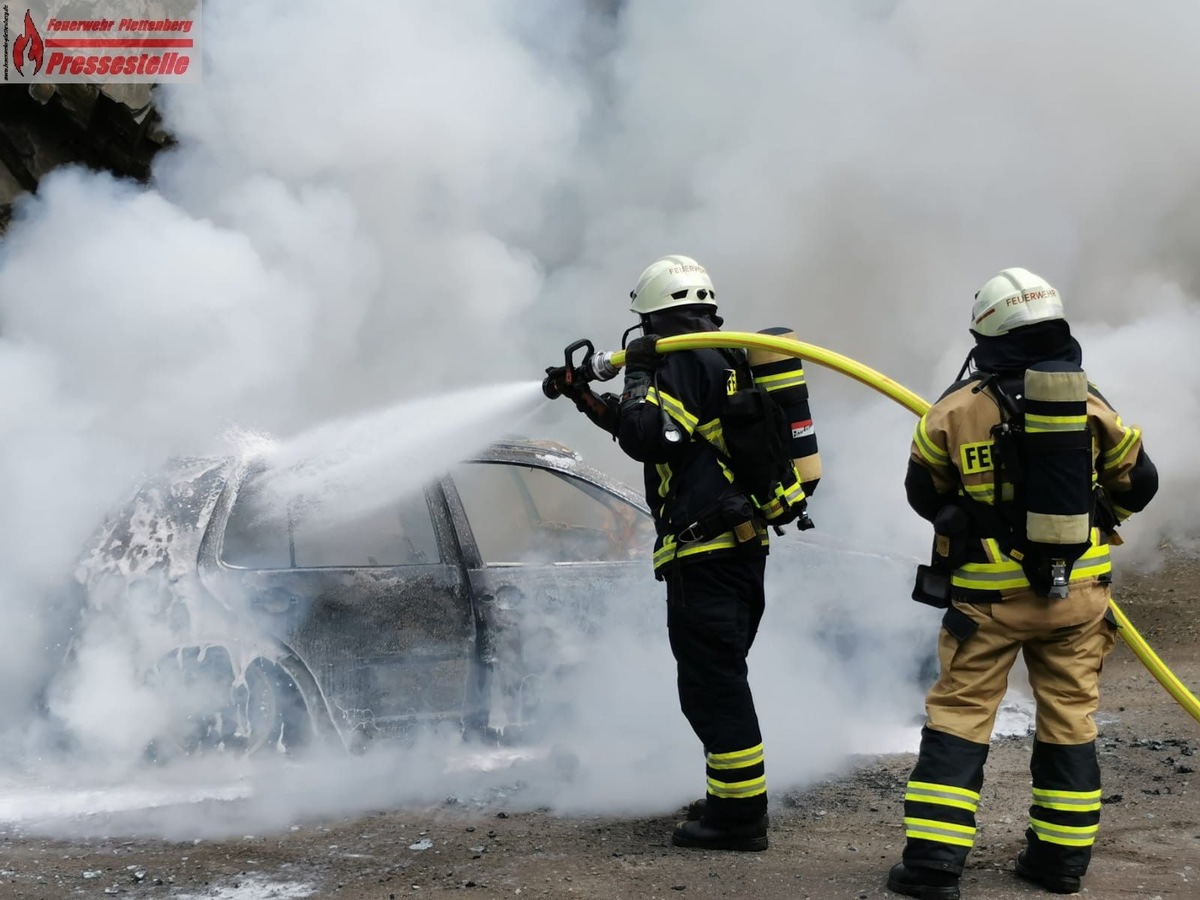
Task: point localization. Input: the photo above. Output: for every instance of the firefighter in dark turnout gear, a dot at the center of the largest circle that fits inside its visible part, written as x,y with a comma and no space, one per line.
710,548
995,526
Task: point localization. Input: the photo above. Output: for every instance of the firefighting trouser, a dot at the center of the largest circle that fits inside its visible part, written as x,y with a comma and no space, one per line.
1064,643
714,607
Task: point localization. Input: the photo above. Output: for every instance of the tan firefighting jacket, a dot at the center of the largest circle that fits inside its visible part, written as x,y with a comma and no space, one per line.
953,441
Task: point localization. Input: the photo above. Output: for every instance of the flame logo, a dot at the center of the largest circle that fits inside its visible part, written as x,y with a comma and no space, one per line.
28,47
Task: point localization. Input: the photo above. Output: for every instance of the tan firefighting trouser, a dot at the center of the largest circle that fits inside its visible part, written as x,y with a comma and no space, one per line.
1064,643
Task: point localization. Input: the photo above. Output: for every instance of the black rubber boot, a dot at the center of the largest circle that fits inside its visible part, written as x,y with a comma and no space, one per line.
1054,882
696,809
925,884
696,834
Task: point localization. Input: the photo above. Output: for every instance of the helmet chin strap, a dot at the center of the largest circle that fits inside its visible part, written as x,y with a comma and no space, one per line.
966,366
632,328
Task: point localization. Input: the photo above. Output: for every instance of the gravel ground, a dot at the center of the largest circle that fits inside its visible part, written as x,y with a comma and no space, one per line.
834,839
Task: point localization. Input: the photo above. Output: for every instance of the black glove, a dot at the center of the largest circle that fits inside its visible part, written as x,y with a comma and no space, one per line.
601,409
803,521
640,355
951,533
573,390
641,361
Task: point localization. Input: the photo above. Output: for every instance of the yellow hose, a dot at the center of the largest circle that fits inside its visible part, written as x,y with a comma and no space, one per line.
918,405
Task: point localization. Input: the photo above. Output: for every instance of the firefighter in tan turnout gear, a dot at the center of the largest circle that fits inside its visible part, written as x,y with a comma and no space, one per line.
1025,471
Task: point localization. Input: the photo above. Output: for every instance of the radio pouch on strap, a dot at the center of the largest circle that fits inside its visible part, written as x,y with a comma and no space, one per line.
932,587
950,536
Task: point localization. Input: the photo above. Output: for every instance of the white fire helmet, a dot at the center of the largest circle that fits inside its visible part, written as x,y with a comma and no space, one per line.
1011,299
672,281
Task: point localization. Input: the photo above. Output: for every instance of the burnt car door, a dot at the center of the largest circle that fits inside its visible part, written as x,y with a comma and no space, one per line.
373,601
548,553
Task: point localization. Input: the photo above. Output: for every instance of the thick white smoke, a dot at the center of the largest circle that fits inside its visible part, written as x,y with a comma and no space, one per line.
385,204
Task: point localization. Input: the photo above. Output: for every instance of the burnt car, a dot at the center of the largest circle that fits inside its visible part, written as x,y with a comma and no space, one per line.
269,623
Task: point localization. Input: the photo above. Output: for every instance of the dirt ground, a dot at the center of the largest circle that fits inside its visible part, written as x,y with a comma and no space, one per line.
836,839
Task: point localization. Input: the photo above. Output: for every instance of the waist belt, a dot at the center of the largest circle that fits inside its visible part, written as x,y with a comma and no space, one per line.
710,527
984,581
674,548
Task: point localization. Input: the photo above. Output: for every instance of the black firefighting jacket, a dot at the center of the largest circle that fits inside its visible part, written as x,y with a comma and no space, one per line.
694,503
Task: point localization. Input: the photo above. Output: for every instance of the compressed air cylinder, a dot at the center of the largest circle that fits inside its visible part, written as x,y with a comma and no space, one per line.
783,378
1058,458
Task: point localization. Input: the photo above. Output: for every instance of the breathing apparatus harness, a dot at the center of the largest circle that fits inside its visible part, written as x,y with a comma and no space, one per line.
755,446
1041,451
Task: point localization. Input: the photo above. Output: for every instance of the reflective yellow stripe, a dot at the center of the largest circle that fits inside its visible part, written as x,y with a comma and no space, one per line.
1117,454
1035,423
1067,801
942,794
1009,576
942,832
664,479
986,493
712,432
1066,835
772,510
1094,567
992,548
674,408
738,759
1005,574
738,789
792,495
795,492
670,549
783,380
929,451
720,542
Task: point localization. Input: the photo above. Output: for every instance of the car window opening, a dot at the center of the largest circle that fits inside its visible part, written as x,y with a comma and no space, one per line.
312,534
522,514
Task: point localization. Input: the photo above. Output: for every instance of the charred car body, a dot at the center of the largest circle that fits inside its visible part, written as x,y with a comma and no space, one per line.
270,624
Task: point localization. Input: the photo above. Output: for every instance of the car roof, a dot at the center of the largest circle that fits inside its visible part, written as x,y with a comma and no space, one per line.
553,455
544,454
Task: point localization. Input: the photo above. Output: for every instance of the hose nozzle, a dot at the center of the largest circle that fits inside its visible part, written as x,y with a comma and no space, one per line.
601,366
593,367
555,382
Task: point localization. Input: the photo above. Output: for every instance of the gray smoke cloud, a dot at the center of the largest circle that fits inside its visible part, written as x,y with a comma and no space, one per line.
408,199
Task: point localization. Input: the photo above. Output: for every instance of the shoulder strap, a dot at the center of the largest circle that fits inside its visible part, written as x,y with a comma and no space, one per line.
991,382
